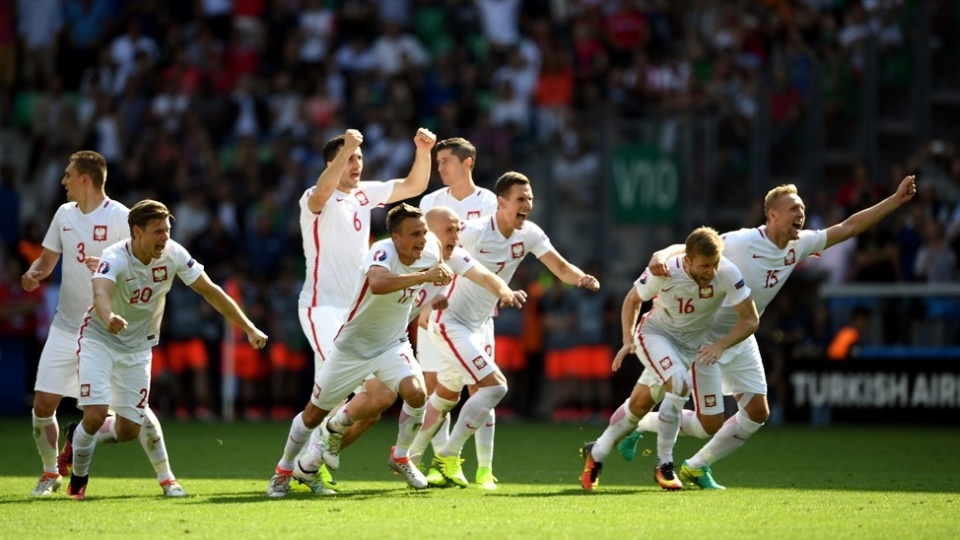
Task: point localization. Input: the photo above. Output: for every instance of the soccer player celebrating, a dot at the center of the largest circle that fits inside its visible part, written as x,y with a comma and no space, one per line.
80,230
374,340
456,158
669,338
463,331
335,227
767,256
130,287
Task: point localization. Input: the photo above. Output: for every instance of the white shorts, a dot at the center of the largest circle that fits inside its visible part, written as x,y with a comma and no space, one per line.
427,352
467,355
118,379
57,371
654,374
341,373
320,324
739,371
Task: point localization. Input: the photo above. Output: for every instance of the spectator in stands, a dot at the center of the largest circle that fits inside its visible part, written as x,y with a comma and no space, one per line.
849,338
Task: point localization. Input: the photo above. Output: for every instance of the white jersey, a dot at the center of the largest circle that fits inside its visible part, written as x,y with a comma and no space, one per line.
682,309
140,293
335,242
471,304
76,236
432,291
765,267
482,202
377,322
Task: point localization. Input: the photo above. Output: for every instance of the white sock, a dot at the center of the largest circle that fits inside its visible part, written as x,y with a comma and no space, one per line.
340,421
690,425
411,418
296,439
442,434
734,433
649,423
151,439
46,433
484,440
83,445
434,421
622,422
472,415
108,431
669,426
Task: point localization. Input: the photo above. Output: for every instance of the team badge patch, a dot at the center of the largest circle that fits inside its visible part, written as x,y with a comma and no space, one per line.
191,262
84,390
666,363
791,257
479,362
643,278
99,233
103,268
159,274
516,250
710,400
362,198
473,214
380,255
706,292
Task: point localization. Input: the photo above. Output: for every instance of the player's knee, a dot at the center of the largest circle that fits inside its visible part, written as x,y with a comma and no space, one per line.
312,416
416,399
641,402
44,404
711,423
126,430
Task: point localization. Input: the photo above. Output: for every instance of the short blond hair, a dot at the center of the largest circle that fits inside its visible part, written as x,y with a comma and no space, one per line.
704,242
776,193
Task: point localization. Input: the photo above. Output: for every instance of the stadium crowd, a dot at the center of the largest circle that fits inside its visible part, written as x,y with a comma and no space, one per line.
220,108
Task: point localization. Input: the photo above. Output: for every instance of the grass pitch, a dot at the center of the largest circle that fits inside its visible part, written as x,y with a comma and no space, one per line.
838,482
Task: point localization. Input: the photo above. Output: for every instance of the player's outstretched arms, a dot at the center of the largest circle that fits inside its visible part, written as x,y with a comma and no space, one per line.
495,284
330,177
226,306
419,178
868,217
569,273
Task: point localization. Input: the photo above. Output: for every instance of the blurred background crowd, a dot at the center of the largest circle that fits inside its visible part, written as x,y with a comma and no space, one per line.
219,108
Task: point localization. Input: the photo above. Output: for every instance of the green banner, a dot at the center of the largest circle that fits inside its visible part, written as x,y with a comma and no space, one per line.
645,185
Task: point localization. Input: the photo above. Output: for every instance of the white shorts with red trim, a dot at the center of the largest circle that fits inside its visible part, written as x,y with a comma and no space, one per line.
320,324
740,371
118,379
57,371
341,373
467,355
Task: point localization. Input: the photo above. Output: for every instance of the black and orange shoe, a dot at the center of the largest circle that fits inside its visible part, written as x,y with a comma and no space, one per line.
78,487
666,476
590,478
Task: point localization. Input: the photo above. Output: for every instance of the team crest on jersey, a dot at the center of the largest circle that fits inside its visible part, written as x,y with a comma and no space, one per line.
791,258
473,214
362,198
666,363
159,274
480,362
710,400
706,292
99,233
516,250
191,262
643,278
380,255
84,390
103,268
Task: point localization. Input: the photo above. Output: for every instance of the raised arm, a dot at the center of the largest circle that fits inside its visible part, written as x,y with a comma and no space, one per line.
39,270
568,273
416,182
709,353
330,177
628,321
495,284
868,217
221,301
